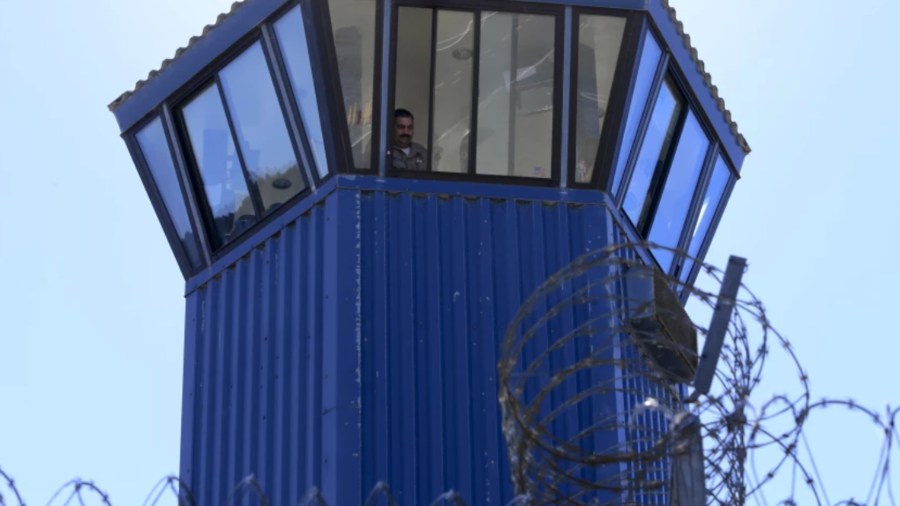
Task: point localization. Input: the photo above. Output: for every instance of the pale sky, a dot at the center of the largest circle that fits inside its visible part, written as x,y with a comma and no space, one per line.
91,306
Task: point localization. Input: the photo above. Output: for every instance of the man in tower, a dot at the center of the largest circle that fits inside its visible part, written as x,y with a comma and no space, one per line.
406,154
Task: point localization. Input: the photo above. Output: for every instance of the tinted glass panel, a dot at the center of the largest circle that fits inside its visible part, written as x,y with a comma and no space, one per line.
214,153
453,69
652,157
260,127
414,68
640,92
353,22
679,189
713,198
515,95
152,140
599,40
292,41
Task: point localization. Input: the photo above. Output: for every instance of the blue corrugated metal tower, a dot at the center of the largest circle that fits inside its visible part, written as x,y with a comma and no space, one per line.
362,193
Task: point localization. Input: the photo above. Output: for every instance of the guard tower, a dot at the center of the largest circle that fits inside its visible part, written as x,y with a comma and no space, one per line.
344,311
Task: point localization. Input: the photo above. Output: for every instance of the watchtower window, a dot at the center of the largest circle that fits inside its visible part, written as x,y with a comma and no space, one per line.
353,25
155,150
482,87
291,37
599,43
678,190
241,147
640,96
515,95
708,213
653,154
260,128
216,159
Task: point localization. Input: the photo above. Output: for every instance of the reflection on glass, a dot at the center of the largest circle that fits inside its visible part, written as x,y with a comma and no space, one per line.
152,141
653,153
679,189
599,40
515,95
215,156
413,69
714,192
260,128
640,93
292,40
453,69
353,23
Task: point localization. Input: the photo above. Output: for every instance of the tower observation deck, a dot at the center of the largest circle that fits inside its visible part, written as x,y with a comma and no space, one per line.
361,194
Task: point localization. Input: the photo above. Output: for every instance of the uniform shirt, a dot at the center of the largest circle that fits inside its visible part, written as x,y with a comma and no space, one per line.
415,157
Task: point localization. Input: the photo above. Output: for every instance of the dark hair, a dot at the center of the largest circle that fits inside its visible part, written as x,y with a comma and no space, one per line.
403,113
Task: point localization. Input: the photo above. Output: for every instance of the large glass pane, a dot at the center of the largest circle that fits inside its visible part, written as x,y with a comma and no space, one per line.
715,190
292,40
216,158
639,94
353,22
152,140
652,157
453,69
679,189
413,70
599,40
261,129
515,95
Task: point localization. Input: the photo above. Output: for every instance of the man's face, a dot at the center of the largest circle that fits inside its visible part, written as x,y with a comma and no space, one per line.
403,132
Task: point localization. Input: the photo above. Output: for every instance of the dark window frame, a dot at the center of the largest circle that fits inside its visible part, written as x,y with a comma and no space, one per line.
324,49
629,152
632,152
156,198
657,181
323,58
718,212
210,77
290,107
709,161
477,7
619,96
668,70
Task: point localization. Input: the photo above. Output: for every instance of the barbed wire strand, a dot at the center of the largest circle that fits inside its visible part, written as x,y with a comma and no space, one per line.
77,485
568,445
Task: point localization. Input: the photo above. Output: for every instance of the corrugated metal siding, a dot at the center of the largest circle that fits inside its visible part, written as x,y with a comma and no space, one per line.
442,278
360,343
254,364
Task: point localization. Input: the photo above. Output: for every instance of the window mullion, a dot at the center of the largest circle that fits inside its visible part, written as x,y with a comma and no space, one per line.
709,163
181,168
476,72
513,93
431,83
299,139
255,198
658,82
658,181
565,114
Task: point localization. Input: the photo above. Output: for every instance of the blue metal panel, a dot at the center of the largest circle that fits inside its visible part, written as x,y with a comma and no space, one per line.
359,342
441,277
254,381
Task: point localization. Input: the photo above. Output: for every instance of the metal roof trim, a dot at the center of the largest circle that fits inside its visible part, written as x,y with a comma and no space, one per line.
672,15
707,78
121,99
